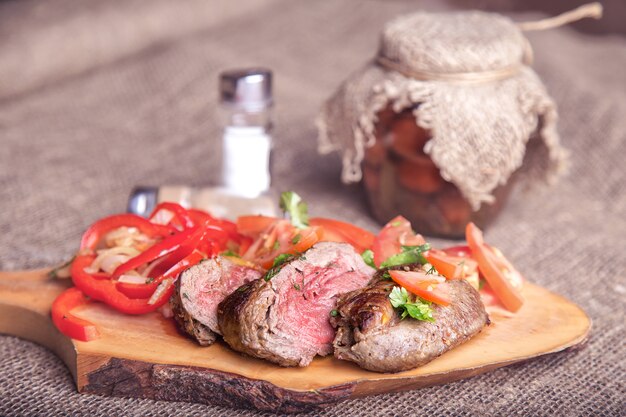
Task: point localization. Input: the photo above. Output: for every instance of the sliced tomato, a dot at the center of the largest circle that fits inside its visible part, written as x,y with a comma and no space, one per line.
338,231
427,286
463,251
253,226
494,269
392,237
281,237
451,267
66,322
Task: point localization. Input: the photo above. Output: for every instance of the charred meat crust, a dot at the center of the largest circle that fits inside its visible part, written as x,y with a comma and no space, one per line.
370,332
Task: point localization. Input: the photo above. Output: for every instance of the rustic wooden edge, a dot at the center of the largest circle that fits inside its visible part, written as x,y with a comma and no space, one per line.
136,379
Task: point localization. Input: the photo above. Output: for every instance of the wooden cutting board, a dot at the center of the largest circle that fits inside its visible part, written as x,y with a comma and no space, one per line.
146,357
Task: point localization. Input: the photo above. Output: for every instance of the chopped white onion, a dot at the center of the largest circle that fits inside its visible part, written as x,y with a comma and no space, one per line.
163,286
109,259
166,310
132,279
125,236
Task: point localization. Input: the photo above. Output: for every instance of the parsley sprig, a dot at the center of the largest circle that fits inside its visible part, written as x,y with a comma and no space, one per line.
297,209
418,309
409,255
368,258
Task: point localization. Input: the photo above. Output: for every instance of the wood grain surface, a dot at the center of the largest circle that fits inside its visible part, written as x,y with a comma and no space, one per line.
146,356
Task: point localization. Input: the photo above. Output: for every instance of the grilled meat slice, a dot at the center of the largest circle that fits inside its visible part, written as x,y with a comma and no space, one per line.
371,333
201,288
286,319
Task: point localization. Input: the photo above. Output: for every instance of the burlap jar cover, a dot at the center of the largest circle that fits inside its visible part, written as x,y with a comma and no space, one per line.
467,77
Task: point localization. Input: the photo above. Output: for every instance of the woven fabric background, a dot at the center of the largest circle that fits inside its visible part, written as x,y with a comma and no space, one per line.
86,115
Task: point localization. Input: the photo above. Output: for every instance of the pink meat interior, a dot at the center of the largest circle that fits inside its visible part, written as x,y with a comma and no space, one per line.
204,286
307,291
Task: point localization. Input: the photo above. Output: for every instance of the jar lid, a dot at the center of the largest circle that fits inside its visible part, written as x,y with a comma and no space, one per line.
444,43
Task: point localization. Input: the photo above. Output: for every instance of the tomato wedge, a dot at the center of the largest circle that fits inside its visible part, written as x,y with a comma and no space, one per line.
451,267
281,237
392,237
253,226
66,322
491,268
338,231
427,286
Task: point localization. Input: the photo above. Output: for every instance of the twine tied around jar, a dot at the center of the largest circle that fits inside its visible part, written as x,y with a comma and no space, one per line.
466,77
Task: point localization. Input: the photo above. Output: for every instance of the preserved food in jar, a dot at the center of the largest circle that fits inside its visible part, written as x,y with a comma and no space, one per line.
399,177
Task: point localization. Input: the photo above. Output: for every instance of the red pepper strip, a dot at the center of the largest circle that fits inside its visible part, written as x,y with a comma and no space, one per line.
105,290
159,250
199,216
172,275
201,240
181,216
137,290
96,231
66,322
147,290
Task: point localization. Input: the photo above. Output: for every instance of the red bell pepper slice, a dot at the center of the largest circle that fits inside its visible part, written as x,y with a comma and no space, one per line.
99,229
181,219
182,241
66,322
172,275
105,290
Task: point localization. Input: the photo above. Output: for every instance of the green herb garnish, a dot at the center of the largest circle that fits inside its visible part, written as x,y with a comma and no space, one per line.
334,313
292,204
277,265
418,309
296,239
409,255
368,258
432,271
276,245
296,287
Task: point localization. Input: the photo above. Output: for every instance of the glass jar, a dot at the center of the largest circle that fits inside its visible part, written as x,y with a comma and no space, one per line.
400,178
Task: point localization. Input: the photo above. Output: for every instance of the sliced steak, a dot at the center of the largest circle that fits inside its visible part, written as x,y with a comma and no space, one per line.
200,289
286,318
371,333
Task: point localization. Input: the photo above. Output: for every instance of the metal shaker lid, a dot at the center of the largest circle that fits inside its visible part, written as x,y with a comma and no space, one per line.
142,200
249,88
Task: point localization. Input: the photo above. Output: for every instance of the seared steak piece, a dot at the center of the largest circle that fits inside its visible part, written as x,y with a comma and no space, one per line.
286,318
201,288
371,333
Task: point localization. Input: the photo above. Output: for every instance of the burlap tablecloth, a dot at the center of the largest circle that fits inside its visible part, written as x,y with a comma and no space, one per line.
96,97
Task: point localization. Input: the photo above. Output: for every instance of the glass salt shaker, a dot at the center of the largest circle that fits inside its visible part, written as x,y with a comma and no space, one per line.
245,173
